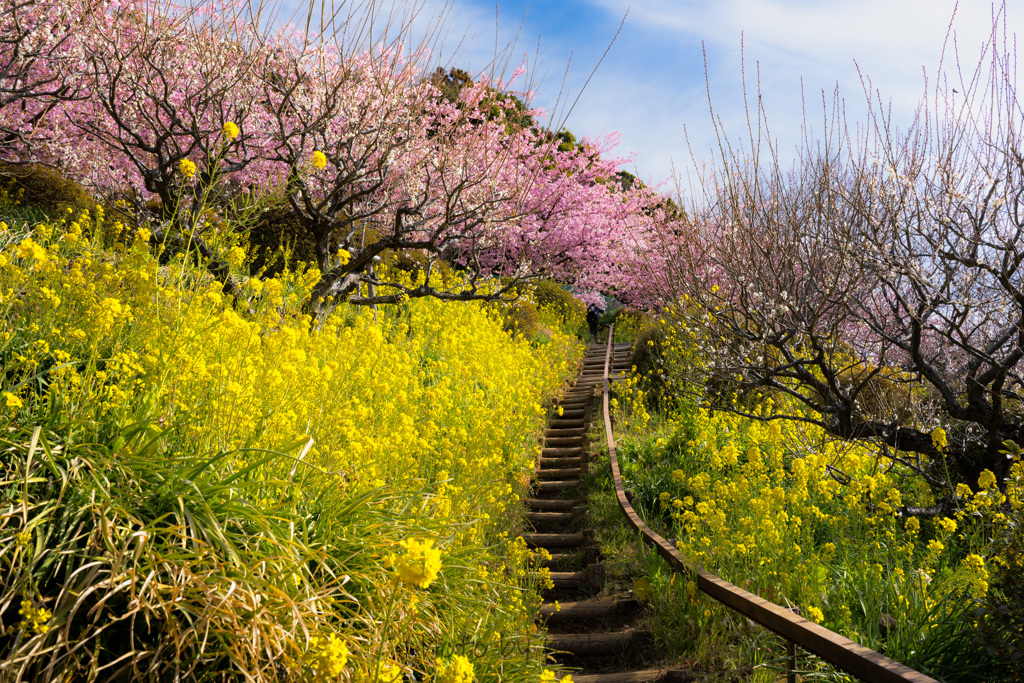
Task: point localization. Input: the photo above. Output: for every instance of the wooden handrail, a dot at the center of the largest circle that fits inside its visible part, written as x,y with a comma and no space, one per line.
851,657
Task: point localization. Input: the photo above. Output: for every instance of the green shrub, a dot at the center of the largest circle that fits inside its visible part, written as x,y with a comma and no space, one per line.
45,189
569,314
278,239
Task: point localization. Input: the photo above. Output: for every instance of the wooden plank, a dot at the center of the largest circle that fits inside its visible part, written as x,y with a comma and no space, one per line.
555,540
563,441
574,431
561,452
552,505
550,486
560,462
601,608
594,643
558,475
641,676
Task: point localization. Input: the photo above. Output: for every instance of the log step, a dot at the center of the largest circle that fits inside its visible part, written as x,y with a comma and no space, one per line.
561,423
552,505
642,676
573,540
602,608
577,431
592,575
563,441
561,452
550,486
549,518
558,475
561,462
595,643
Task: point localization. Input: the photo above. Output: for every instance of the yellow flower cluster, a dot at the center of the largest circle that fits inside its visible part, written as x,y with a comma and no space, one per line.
187,168
782,509
328,655
458,670
419,564
548,676
230,131
432,402
34,619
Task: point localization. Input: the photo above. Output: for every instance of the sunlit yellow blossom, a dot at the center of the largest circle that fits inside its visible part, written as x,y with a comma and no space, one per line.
458,670
29,250
329,655
12,401
547,676
420,563
230,131
946,524
319,160
186,168
939,439
986,480
33,618
814,614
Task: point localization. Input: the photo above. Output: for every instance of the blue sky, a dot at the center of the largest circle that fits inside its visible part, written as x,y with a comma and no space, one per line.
651,86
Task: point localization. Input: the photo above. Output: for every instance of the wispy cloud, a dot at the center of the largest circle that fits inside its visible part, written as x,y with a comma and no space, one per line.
652,85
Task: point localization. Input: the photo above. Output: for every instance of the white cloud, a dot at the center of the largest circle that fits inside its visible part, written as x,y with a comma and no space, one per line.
650,93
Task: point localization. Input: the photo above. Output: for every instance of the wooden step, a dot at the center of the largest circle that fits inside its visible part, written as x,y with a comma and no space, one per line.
641,676
552,486
600,608
550,518
556,433
559,474
563,423
552,505
592,575
573,540
561,452
589,644
563,441
561,462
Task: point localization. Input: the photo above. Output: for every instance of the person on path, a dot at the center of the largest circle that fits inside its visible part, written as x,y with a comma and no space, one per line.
593,316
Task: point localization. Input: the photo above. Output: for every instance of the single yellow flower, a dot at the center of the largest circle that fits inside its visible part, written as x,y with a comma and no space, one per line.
319,160
230,131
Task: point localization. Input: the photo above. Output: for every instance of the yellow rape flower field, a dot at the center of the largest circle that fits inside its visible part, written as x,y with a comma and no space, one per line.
816,524
191,482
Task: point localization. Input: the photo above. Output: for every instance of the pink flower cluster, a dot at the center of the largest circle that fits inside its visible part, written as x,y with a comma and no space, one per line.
123,95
